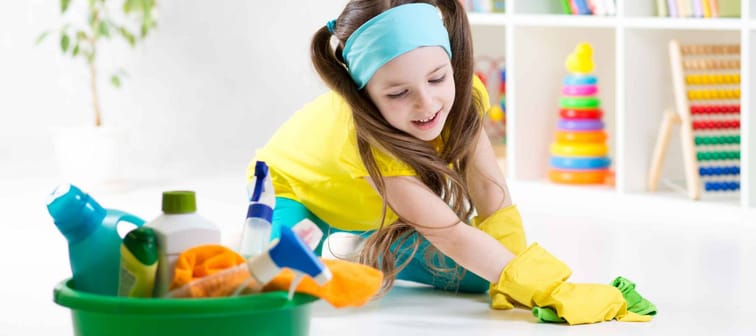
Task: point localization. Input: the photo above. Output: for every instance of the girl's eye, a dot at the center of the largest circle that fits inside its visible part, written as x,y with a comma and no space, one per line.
397,95
438,80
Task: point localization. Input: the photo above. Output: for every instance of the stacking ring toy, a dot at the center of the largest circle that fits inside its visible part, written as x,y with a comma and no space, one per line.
579,90
573,163
580,113
579,149
580,125
580,80
578,176
584,136
578,102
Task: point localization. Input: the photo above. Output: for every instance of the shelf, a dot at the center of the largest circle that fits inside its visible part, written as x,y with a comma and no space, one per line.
576,21
488,19
632,64
574,200
664,23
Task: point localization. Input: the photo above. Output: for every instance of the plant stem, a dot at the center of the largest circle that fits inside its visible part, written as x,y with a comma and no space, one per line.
95,98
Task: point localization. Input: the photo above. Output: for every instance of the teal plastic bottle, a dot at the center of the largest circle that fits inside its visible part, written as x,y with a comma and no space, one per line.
93,240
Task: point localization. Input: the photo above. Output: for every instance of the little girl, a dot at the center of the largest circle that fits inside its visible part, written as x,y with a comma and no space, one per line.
395,152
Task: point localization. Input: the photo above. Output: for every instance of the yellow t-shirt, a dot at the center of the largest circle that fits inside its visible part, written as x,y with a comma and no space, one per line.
313,159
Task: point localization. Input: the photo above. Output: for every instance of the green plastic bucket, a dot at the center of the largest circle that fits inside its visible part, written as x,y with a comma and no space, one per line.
268,313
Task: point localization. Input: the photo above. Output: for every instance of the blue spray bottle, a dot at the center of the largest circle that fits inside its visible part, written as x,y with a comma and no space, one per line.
262,200
289,251
94,242
260,189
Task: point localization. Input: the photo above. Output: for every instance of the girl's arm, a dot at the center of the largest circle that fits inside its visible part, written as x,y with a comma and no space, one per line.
431,217
486,183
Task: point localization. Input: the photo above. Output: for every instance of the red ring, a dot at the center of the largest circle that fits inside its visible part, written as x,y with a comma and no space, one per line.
580,113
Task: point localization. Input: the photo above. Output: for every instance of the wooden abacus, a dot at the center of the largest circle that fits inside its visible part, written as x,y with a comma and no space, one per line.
706,81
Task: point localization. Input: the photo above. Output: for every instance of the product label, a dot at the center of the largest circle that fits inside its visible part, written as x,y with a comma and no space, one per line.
126,282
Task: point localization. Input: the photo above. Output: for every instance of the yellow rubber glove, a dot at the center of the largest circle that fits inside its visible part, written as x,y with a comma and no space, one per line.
588,303
536,278
505,225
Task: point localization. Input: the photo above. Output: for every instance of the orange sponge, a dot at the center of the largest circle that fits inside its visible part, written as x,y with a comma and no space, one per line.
352,284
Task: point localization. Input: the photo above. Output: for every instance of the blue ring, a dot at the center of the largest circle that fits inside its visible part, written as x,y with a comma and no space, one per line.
580,80
593,162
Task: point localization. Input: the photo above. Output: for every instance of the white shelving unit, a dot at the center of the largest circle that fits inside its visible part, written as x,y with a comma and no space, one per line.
632,66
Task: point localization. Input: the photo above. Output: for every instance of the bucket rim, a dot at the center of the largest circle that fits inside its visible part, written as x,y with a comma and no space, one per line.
66,296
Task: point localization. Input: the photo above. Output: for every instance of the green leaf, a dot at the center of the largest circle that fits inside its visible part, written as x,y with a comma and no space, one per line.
64,5
103,30
115,81
81,35
41,37
128,36
65,41
129,5
75,50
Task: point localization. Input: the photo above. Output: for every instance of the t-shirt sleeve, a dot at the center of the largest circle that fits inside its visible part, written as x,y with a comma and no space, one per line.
387,164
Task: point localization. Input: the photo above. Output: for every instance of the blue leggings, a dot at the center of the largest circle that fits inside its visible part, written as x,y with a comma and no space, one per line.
289,212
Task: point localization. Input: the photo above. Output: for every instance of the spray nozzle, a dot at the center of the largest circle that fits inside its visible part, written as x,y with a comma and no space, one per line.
261,173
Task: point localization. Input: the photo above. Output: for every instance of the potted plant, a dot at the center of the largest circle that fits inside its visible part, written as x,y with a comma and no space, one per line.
89,154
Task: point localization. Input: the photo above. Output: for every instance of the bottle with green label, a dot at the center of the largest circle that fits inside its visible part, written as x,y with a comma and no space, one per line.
139,262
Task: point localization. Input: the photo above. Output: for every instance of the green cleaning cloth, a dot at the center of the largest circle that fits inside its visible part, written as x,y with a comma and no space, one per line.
635,302
547,314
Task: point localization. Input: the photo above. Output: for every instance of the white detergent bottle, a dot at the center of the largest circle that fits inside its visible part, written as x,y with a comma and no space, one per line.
179,228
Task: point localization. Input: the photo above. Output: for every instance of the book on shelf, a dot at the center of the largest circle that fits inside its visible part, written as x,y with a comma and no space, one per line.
484,6
698,8
589,7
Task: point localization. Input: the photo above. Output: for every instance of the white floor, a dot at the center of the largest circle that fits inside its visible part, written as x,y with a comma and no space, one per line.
695,261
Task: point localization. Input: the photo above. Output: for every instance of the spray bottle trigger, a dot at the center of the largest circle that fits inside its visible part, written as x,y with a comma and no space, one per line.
309,232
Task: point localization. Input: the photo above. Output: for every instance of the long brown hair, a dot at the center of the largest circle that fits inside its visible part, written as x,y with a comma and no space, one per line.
443,172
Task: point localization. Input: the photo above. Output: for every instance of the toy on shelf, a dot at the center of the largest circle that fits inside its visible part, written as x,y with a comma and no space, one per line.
706,80
494,77
579,151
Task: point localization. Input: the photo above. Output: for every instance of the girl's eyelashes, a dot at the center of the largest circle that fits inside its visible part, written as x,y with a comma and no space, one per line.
404,92
397,95
438,80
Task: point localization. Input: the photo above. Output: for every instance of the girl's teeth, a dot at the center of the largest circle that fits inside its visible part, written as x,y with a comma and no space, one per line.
427,119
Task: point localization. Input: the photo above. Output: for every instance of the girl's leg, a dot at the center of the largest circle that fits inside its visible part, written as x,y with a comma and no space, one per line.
288,213
449,276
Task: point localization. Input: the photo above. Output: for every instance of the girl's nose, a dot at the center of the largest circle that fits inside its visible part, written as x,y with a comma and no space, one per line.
423,99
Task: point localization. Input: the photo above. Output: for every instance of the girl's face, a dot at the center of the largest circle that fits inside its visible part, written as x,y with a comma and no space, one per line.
415,91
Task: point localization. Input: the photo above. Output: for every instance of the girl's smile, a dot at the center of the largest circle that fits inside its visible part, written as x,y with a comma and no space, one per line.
427,123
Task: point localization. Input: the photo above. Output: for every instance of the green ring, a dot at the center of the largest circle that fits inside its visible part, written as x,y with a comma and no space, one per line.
579,102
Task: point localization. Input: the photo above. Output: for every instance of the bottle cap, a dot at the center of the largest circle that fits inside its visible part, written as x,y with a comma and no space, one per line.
179,202
141,243
260,210
75,213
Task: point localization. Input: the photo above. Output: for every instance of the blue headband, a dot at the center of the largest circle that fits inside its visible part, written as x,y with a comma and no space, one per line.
390,34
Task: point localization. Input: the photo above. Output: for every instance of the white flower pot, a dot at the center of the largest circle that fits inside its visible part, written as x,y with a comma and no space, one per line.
89,157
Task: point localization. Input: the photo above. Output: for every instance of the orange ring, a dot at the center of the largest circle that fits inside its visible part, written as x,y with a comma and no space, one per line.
581,136
578,176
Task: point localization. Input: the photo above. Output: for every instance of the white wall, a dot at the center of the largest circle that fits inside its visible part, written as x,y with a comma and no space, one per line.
202,93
